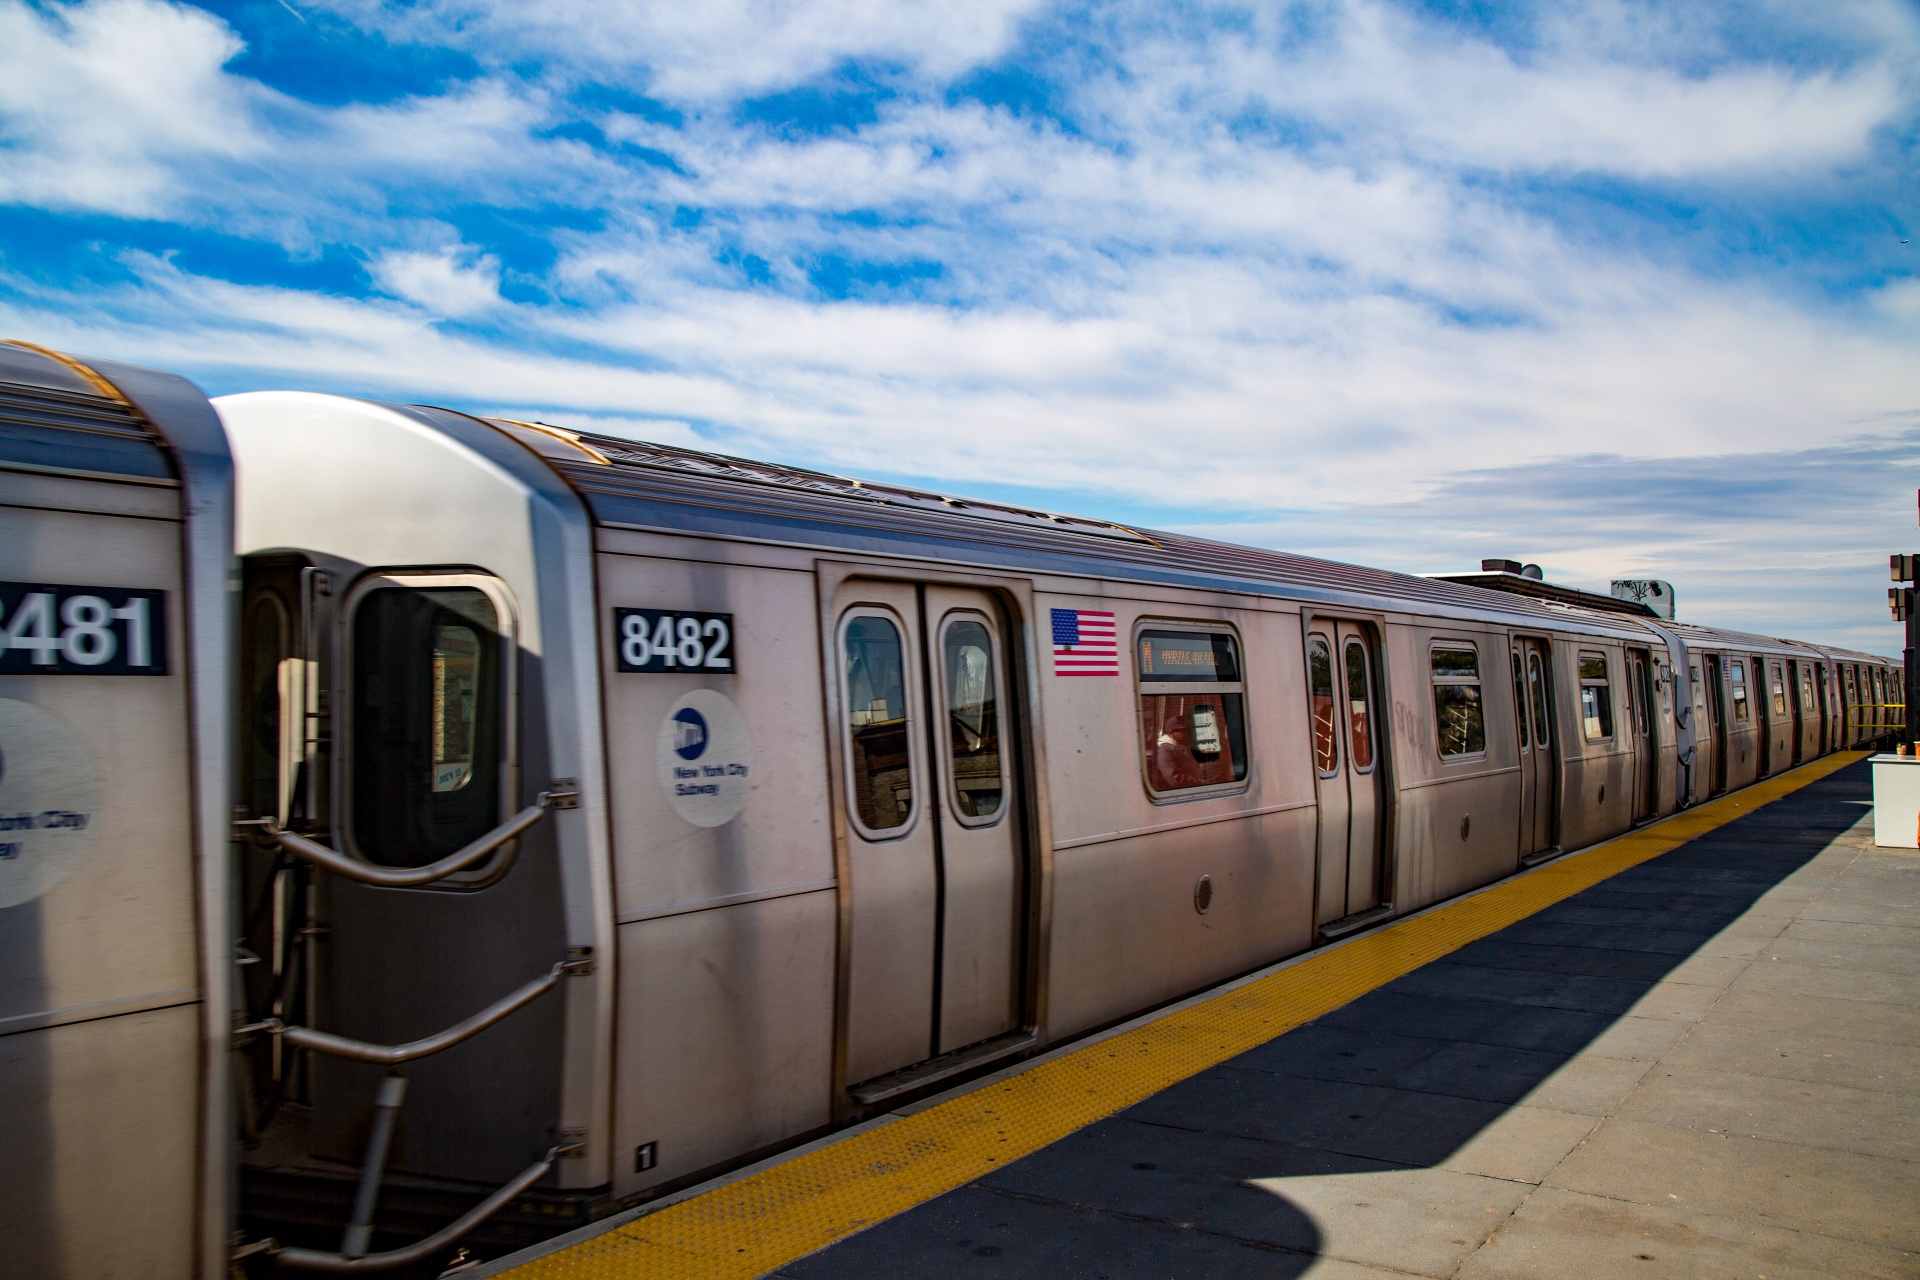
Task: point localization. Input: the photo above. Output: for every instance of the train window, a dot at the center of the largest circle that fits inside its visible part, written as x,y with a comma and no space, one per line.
1806,691
1778,688
1520,703
1596,697
1326,741
1737,677
1458,717
1537,692
1360,721
879,744
428,714
973,720
1192,710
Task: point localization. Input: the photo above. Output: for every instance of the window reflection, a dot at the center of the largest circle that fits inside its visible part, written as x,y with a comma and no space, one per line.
1194,738
973,719
1326,743
427,722
1537,693
1459,719
1360,723
881,763
1596,697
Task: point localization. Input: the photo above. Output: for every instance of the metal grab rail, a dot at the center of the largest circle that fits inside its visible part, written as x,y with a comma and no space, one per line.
412,877
392,1055
340,1263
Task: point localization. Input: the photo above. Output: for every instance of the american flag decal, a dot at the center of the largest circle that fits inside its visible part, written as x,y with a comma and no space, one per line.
1085,643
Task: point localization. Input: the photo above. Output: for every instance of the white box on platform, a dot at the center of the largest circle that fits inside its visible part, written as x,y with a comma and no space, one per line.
1896,802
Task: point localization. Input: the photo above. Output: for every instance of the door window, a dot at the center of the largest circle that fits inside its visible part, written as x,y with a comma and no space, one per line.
1326,740
1192,710
1520,704
1537,695
973,721
1359,718
879,744
1460,723
427,716
1596,697
1779,689
1737,679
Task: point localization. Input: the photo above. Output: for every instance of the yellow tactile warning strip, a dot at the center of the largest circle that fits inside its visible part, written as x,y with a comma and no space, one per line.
749,1227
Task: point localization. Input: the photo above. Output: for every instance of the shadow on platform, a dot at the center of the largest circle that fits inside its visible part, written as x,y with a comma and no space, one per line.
1193,1181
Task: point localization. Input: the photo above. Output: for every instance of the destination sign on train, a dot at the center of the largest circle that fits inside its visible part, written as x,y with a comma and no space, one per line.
668,640
52,630
1187,655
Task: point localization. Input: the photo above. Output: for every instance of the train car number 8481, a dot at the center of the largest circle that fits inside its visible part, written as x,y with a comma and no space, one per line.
50,630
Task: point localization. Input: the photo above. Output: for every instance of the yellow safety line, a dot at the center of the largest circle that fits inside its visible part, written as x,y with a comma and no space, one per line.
749,1227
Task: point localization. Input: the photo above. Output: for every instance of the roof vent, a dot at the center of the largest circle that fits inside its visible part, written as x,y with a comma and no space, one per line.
1533,571
1500,566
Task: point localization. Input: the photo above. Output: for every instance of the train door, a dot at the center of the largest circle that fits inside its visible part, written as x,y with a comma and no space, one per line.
1340,670
1764,721
1533,667
935,854
1646,755
1717,721
1779,718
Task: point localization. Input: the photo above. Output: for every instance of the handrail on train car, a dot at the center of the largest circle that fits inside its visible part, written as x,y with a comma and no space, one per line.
413,877
392,1055
344,1264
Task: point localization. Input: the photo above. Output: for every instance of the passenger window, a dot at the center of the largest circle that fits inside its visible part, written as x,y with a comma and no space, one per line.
1326,743
879,745
973,720
1192,710
1737,677
1537,690
1360,722
1806,691
427,721
1520,704
1596,698
1459,719
1778,687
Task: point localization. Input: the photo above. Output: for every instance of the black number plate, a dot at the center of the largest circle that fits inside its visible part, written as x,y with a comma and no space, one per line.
668,640
48,630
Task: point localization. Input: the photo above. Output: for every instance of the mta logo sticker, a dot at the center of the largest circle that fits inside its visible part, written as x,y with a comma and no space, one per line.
705,758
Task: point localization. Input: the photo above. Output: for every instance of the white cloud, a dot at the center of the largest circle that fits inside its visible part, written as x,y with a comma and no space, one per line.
446,282
1242,269
99,101
1606,88
718,49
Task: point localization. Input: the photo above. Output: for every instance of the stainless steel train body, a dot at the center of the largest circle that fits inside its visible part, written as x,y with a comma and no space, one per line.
115,950
608,814
875,787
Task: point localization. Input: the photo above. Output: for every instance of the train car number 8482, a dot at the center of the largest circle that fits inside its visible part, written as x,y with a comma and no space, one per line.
657,640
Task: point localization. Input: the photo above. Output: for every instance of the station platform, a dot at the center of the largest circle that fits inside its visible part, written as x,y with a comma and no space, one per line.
1689,1051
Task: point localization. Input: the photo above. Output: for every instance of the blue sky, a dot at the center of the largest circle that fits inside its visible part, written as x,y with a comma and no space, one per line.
1615,287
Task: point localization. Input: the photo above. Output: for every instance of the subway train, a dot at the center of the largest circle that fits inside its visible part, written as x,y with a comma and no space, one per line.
423,833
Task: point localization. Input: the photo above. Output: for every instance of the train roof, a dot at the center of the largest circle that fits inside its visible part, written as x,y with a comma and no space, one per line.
638,484
635,484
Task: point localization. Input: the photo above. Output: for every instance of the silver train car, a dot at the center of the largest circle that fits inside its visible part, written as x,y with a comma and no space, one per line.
607,815
116,714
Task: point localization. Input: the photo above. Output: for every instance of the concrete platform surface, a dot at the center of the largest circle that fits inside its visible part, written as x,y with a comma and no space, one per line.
1708,1065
